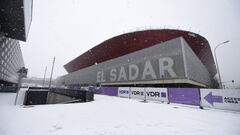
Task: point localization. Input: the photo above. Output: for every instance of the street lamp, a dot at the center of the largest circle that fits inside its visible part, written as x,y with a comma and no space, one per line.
220,82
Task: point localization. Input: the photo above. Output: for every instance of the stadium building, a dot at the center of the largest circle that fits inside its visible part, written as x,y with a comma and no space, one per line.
161,58
15,20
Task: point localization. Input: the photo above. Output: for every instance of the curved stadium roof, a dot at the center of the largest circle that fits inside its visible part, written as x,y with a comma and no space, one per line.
134,41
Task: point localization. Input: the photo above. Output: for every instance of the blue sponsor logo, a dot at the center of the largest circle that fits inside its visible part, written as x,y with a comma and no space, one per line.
141,93
156,94
123,91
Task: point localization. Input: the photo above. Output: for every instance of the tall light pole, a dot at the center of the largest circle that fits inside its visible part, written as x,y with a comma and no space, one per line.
44,77
219,76
50,82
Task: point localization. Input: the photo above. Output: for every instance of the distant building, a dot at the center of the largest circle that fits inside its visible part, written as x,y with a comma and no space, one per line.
162,58
15,20
37,82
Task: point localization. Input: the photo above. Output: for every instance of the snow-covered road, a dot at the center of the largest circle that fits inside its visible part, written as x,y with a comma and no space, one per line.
116,116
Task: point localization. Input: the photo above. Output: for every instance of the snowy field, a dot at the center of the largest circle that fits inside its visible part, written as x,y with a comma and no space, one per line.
7,99
115,116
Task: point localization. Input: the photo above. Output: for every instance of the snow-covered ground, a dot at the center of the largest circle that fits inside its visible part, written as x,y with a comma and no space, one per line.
116,116
7,99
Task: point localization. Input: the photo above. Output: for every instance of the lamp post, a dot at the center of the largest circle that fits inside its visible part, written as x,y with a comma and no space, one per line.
50,82
44,77
220,81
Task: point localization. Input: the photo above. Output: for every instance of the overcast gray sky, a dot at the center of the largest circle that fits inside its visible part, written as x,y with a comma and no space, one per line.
68,28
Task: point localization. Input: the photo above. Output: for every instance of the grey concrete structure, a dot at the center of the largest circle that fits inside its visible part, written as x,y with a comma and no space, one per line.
170,62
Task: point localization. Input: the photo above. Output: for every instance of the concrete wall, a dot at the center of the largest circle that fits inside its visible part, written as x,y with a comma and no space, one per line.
54,98
36,96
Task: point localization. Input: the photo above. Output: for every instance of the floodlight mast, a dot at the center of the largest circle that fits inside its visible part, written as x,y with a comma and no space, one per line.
219,76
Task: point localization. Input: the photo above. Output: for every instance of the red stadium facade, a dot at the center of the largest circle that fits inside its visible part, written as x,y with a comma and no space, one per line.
131,42
196,57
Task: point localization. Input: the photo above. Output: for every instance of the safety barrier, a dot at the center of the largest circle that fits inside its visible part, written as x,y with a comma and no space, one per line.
157,94
188,96
227,99
124,92
111,91
137,93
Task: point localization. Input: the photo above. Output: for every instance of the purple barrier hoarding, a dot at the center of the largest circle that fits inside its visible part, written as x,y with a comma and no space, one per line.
189,96
98,90
111,91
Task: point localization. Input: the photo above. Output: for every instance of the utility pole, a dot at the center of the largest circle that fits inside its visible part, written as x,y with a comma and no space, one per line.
52,72
219,76
44,77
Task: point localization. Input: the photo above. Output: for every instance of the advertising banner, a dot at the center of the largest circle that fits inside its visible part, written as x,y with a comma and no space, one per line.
189,96
228,99
124,92
111,91
137,93
157,94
